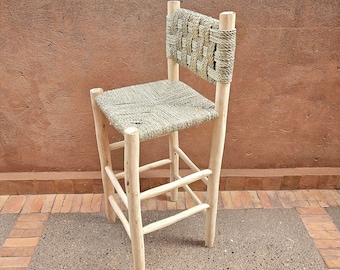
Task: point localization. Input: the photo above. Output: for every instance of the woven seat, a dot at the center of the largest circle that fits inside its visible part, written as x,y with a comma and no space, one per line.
156,108
206,47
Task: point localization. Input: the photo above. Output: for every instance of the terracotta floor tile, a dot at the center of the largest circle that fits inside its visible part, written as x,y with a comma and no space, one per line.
26,225
17,251
317,219
255,199
103,206
202,196
220,204
189,202
86,203
313,202
332,262
226,199
14,204
67,204
58,203
236,199
33,217
171,205
3,199
319,197
285,201
181,201
328,197
152,202
96,202
161,202
48,203
17,233
324,234
311,211
246,200
335,194
76,203
21,242
266,202
274,199
321,227
14,262
330,252
327,243
144,205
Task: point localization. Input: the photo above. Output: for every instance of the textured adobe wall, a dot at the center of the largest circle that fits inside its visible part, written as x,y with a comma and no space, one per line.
284,104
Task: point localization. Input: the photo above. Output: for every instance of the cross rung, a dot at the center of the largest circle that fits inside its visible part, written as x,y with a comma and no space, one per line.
116,145
173,219
147,167
175,184
189,162
120,214
117,185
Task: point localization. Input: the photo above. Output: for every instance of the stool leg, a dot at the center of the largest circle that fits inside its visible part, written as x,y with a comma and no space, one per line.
131,167
215,162
174,166
102,137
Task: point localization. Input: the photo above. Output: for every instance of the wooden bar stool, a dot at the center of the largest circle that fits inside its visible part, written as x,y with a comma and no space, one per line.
205,46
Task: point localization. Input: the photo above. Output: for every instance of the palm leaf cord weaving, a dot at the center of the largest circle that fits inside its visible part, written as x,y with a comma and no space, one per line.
194,41
156,108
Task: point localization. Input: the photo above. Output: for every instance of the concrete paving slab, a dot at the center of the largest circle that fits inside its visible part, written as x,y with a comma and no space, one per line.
334,212
246,239
6,224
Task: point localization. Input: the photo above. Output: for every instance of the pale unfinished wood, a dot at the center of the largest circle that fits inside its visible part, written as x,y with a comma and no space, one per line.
175,218
192,194
3,199
227,22
131,167
173,75
117,186
116,145
120,215
189,162
176,184
174,166
173,67
147,167
101,124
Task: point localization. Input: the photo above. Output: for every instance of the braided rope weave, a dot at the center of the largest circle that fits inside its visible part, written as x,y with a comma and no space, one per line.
194,41
156,108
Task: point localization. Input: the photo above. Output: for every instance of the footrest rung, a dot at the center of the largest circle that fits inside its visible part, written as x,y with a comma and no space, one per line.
120,214
175,184
117,185
175,218
147,167
192,194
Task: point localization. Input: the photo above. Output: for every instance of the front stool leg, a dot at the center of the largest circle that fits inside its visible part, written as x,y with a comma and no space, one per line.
131,167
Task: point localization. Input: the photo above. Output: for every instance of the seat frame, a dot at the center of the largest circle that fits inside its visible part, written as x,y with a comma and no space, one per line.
131,144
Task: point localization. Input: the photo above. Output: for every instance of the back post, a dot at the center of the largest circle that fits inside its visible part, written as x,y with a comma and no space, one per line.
227,22
173,75
102,137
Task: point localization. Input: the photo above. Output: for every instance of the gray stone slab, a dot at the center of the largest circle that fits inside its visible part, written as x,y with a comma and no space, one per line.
334,212
6,224
246,239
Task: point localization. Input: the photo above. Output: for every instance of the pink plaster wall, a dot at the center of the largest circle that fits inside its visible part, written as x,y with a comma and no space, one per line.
284,104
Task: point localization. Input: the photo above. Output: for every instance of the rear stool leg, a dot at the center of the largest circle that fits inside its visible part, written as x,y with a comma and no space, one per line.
215,162
174,166
102,137
131,167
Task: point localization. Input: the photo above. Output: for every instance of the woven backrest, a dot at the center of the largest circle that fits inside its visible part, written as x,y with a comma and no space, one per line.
194,41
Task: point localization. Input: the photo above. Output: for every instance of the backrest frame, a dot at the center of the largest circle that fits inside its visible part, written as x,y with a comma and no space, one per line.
200,43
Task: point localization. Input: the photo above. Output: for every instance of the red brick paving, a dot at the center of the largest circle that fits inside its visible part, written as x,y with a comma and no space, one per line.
34,211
